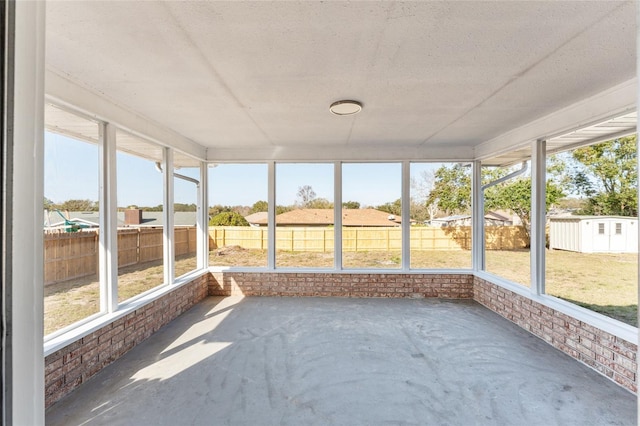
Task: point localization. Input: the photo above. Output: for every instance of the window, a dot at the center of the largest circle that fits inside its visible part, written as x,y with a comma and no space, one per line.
186,184
304,215
71,228
238,232
372,215
589,262
440,225
507,213
140,215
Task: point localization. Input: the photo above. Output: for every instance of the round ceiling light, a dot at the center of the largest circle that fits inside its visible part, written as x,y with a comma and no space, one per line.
345,107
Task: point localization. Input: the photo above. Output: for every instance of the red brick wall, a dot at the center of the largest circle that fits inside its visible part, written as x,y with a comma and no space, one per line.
72,365
612,356
450,286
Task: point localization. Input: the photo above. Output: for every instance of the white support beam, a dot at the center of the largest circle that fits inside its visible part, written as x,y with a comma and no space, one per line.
477,217
613,102
202,219
406,217
23,352
108,250
538,215
337,215
321,153
167,211
65,92
271,216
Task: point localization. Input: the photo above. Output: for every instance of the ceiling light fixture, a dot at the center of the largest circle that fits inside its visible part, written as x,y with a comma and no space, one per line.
345,107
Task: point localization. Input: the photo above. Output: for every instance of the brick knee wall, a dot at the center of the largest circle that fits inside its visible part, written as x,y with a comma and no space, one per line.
72,365
450,286
611,356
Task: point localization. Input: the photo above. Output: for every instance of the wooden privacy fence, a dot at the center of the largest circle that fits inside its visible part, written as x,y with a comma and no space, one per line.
320,239
74,255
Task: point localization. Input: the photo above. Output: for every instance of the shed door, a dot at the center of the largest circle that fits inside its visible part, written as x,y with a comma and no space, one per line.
601,236
617,236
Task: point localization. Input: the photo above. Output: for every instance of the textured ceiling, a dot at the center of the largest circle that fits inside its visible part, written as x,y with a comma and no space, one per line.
238,75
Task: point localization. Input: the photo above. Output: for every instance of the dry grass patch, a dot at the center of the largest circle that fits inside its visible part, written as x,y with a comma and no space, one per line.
605,283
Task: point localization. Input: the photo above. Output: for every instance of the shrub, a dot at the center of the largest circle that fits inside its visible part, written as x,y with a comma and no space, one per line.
228,219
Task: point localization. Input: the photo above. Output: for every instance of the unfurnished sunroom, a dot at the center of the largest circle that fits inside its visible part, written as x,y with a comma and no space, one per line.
168,123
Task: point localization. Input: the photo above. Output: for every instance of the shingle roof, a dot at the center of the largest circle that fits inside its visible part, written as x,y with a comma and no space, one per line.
148,219
324,217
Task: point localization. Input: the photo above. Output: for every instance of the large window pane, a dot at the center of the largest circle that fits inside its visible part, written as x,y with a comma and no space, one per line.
140,215
371,234
507,212
304,220
185,188
238,233
440,215
592,259
71,233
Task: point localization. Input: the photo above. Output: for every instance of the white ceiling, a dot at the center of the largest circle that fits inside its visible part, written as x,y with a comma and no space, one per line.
436,79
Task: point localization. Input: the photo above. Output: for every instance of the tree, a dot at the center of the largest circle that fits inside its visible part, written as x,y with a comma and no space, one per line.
394,208
48,204
452,192
451,189
283,209
180,207
319,203
351,205
515,195
217,209
228,219
259,206
78,205
305,195
607,175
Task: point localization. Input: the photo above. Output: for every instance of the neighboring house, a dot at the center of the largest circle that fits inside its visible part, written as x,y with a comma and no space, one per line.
491,218
257,219
594,234
324,217
128,218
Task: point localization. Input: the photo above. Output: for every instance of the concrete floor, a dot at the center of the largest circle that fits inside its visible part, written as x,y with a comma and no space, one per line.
309,361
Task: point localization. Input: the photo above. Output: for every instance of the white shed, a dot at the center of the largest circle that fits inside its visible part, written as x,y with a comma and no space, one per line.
594,234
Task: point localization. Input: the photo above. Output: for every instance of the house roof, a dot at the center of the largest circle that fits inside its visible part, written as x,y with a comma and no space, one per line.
259,218
148,219
228,81
324,217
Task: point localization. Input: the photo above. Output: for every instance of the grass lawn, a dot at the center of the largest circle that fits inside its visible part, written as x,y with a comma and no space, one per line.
605,283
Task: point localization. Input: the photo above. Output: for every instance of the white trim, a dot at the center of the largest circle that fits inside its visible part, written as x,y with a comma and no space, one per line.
169,261
337,215
477,218
616,101
26,178
108,234
202,219
405,226
271,215
538,216
397,271
61,90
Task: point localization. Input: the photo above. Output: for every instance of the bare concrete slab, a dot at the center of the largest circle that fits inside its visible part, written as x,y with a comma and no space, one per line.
311,361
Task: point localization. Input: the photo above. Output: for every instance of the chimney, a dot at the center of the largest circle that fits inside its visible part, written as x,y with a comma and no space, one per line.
132,217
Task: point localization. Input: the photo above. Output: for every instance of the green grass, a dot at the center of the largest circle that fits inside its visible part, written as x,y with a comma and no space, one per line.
604,283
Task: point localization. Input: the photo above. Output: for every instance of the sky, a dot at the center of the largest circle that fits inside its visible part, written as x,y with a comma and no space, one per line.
71,172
